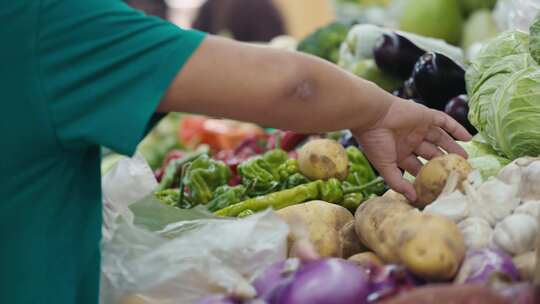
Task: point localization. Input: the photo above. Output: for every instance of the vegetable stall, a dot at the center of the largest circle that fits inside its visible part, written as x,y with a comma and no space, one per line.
473,235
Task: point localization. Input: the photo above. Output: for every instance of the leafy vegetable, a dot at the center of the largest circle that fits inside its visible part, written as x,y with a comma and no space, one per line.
534,45
325,42
504,84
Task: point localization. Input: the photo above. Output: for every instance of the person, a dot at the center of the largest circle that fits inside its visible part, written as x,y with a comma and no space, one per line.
78,75
244,20
157,8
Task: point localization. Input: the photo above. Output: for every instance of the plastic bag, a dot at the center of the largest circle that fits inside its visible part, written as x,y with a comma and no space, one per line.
163,255
516,14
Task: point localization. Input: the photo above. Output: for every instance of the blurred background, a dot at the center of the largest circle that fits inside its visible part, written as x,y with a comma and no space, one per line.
246,20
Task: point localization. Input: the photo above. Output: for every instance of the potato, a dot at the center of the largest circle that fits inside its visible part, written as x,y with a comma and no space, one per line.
366,259
374,219
323,222
432,178
323,159
393,195
350,244
430,246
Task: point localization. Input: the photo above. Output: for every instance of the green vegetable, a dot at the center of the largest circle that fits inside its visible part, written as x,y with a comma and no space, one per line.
504,85
483,158
360,172
352,201
246,213
168,197
161,140
534,45
171,177
225,196
433,18
368,70
325,41
275,200
270,172
470,6
204,176
478,28
330,190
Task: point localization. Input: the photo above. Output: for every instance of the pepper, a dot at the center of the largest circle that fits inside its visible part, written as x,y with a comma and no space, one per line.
266,173
171,176
203,177
225,196
331,190
246,213
168,197
275,200
352,201
360,172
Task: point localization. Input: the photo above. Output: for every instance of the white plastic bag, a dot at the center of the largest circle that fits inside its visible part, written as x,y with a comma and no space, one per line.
516,14
184,260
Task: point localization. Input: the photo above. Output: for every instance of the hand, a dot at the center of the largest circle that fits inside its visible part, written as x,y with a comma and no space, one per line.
404,133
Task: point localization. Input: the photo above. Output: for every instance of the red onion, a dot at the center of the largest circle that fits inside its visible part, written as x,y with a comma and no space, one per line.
388,281
218,299
481,265
328,281
273,280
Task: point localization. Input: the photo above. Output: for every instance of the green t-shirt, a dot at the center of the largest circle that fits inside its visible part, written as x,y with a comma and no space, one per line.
74,75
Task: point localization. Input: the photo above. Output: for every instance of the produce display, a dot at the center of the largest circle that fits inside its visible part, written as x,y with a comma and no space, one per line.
472,236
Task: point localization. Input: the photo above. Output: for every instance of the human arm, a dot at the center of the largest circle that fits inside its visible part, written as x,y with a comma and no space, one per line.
302,93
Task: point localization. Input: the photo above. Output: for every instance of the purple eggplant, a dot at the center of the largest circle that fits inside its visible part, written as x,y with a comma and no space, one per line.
437,79
483,265
458,108
396,55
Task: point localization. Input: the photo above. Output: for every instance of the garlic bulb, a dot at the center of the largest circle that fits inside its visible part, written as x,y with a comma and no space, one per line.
493,200
453,205
476,231
516,234
530,182
530,207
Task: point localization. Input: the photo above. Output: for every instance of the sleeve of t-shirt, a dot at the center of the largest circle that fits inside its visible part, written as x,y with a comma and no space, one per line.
104,68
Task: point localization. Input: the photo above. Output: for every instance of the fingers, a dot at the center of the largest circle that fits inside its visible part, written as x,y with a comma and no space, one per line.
428,150
393,177
411,164
441,139
451,126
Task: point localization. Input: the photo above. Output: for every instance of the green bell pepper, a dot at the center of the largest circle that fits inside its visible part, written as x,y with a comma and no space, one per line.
204,176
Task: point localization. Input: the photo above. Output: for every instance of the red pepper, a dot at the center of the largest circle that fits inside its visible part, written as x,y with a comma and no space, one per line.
289,140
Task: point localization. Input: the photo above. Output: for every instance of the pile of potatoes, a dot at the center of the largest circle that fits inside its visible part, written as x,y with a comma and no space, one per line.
390,229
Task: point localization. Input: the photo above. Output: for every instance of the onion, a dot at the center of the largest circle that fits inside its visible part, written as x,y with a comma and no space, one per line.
388,281
218,299
274,279
482,265
328,281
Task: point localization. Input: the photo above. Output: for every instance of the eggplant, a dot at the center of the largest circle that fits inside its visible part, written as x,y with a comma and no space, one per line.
437,79
458,108
348,140
396,55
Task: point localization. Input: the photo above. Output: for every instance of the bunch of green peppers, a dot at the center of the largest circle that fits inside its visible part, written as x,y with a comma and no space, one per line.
331,191
270,172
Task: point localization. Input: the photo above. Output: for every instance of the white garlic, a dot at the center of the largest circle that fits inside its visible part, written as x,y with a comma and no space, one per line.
530,207
516,234
530,181
476,231
453,205
493,200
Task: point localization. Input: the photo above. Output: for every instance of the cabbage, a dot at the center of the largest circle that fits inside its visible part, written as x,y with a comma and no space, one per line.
503,82
483,158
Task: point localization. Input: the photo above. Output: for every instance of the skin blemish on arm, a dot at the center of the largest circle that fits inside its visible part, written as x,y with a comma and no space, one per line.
303,90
